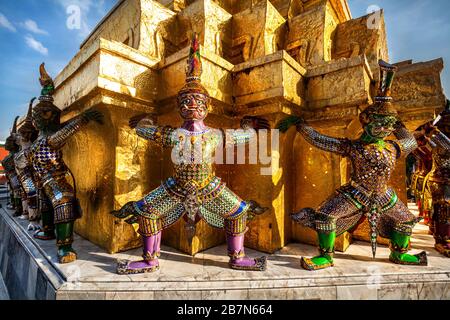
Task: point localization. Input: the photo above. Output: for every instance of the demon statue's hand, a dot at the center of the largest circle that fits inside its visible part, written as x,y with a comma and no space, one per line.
399,125
149,119
127,213
93,115
256,123
425,131
290,121
255,209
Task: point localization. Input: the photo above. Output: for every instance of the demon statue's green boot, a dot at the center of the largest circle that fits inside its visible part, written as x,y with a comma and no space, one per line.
399,247
47,231
326,248
64,240
18,206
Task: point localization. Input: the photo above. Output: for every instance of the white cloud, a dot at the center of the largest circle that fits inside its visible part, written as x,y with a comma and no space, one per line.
4,22
36,45
32,26
85,5
86,8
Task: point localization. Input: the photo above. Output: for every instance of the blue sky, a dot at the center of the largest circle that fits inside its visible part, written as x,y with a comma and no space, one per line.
35,31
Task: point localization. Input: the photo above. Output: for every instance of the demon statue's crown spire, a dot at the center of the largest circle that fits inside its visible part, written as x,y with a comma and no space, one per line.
48,87
193,70
383,101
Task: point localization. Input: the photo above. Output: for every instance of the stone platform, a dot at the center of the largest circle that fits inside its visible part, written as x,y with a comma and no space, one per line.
31,271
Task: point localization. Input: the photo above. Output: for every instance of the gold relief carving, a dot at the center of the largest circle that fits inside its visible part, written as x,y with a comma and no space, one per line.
209,20
356,33
255,32
243,44
300,50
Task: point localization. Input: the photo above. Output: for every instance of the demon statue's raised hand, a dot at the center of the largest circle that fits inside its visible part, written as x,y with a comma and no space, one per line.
26,135
16,191
57,201
373,158
438,180
194,191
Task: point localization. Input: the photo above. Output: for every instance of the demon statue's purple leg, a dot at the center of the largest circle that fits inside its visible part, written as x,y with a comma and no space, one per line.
194,192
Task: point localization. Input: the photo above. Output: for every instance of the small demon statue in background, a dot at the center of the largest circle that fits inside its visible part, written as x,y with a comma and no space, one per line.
438,180
26,135
58,204
194,192
373,158
16,192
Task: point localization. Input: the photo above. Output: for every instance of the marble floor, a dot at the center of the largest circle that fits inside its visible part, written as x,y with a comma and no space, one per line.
356,274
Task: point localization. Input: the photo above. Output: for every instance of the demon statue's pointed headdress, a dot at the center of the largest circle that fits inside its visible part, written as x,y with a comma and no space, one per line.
10,143
193,71
383,101
14,128
48,87
27,129
444,123
45,114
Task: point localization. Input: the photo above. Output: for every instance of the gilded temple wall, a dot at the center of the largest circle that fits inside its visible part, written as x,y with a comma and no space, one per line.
365,35
269,59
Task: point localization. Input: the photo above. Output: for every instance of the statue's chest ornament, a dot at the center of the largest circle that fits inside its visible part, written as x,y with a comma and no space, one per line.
373,159
194,148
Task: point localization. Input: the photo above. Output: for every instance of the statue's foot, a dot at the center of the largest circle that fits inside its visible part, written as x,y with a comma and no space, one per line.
134,267
23,217
33,227
66,255
443,249
316,263
249,264
17,214
409,259
41,235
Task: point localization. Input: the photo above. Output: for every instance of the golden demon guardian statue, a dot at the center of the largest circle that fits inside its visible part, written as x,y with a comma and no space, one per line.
27,134
57,201
438,180
194,192
373,159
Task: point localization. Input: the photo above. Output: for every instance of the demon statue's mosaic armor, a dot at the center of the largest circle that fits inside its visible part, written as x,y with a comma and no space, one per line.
373,159
16,191
57,201
27,134
423,164
194,192
438,180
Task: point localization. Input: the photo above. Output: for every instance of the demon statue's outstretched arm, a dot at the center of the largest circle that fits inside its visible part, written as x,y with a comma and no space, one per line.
340,146
405,139
58,139
249,125
146,128
439,139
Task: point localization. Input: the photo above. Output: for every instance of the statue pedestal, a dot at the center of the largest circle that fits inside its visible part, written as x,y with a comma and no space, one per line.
30,270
